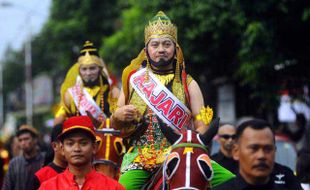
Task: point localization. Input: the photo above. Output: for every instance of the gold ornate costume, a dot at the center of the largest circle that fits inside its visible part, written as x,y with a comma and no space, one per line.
148,144
149,149
101,93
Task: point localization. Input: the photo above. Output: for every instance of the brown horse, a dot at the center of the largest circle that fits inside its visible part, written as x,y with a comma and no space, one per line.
188,165
110,148
110,152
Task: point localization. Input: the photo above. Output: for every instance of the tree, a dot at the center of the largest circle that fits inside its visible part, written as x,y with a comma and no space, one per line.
273,48
71,23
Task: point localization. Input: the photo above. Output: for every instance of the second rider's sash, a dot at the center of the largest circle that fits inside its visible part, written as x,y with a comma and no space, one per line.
84,102
160,99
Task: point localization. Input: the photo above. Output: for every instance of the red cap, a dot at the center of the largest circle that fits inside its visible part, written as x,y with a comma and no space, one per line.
78,122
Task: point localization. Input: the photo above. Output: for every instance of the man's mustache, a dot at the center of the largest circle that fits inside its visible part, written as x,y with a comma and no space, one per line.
261,165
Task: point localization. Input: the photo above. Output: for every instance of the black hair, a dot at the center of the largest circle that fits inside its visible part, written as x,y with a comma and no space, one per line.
24,131
90,48
257,124
49,155
55,132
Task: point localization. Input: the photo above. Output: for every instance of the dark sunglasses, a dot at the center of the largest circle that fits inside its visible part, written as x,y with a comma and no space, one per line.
228,136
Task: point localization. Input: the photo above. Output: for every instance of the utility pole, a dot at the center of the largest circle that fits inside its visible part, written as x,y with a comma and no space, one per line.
2,4
1,95
28,75
28,65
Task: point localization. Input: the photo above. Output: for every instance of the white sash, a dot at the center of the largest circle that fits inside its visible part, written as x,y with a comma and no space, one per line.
163,103
85,102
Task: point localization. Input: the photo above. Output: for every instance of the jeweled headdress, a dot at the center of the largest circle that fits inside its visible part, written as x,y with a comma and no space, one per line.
160,26
89,55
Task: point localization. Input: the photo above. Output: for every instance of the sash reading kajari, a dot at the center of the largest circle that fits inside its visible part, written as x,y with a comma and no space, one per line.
84,102
162,102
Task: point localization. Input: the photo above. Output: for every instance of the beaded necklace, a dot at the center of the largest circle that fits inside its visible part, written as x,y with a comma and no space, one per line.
149,160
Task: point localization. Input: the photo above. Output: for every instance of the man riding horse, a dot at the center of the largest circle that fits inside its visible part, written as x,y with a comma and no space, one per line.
89,90
87,87
156,88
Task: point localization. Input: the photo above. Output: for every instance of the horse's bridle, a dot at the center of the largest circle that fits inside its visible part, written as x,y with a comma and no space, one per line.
195,145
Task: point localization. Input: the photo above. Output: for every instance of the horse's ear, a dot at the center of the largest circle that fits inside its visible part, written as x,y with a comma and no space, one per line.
171,135
211,132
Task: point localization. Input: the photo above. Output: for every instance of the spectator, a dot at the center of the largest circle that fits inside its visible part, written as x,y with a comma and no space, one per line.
303,168
22,168
79,147
303,163
227,135
297,130
58,163
284,177
255,151
13,146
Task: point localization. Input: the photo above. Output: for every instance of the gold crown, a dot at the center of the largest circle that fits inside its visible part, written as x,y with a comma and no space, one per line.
160,26
88,59
88,47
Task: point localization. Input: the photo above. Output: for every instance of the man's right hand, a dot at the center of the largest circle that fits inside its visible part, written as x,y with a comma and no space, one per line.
127,113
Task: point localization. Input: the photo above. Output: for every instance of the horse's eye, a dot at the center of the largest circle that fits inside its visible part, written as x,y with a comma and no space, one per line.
118,146
99,142
204,164
172,164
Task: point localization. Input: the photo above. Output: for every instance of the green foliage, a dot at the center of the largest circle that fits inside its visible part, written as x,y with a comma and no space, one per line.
57,46
118,49
273,35
255,52
306,15
72,23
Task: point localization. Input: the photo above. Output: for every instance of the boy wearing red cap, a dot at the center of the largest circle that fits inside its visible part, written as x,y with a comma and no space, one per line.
79,146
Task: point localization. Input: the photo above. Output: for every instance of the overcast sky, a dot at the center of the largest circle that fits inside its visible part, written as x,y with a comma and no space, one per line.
18,18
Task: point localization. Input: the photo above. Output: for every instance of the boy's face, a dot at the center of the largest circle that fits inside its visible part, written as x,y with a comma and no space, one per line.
78,149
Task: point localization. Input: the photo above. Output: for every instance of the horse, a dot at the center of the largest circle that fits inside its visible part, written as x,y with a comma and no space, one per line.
188,165
110,152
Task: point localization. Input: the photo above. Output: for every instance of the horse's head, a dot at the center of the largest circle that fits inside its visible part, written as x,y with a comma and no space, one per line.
188,166
110,150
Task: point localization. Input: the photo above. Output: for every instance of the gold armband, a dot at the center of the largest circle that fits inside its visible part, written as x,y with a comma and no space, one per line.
205,115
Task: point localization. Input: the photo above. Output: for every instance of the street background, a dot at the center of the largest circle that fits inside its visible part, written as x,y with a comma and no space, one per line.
250,58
